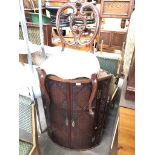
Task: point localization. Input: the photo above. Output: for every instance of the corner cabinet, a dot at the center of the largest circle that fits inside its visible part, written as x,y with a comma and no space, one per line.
70,123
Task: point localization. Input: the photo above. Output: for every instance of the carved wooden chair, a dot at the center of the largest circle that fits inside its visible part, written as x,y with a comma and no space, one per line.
28,137
75,91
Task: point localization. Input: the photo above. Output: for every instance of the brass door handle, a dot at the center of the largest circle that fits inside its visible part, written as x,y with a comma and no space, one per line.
73,123
66,121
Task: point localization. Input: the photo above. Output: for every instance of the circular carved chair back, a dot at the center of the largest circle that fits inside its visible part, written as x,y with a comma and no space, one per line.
83,13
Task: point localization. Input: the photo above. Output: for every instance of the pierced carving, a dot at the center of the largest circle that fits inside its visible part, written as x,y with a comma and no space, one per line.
83,13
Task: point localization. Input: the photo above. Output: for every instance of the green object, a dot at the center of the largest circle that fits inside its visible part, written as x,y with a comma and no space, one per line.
109,64
24,148
34,17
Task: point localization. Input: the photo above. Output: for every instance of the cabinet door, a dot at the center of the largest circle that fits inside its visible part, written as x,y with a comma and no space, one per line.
59,119
82,122
82,130
86,129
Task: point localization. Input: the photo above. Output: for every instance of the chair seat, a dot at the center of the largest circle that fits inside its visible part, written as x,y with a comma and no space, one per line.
107,55
72,64
109,61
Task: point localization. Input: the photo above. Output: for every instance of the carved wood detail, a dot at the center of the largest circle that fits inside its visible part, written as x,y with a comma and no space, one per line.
78,23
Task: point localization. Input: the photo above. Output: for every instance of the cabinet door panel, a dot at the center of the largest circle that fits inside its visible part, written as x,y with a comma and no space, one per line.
83,125
82,130
59,129
82,122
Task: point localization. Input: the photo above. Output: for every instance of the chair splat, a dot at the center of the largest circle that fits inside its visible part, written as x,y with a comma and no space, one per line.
81,16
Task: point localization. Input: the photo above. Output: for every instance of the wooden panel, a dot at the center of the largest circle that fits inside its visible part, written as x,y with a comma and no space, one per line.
83,134
106,37
126,133
82,130
59,116
116,8
112,39
117,40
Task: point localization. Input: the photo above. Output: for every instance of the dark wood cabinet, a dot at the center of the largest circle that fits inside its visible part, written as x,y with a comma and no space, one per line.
70,123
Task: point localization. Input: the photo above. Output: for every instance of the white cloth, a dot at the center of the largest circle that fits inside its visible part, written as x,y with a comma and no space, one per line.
52,50
23,50
27,80
71,64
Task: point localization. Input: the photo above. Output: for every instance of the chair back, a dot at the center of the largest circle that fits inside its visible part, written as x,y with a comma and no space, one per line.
81,16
